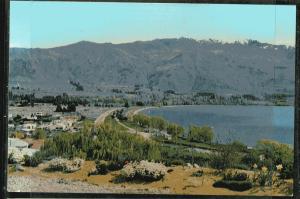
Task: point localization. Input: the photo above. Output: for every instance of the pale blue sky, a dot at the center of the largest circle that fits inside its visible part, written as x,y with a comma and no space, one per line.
50,24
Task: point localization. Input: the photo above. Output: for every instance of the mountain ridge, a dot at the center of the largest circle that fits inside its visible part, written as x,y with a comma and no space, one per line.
180,64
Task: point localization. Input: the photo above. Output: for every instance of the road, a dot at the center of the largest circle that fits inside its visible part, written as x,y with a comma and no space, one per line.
102,117
134,131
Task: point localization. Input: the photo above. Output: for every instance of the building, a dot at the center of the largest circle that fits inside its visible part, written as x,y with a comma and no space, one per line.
17,143
28,128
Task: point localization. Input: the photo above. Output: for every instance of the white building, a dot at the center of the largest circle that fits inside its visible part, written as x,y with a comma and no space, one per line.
18,148
28,128
17,143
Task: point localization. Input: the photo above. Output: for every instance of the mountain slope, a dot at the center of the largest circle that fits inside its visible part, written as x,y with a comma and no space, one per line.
183,65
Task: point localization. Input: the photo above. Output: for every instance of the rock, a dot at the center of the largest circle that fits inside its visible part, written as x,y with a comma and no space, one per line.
196,166
15,156
189,165
19,168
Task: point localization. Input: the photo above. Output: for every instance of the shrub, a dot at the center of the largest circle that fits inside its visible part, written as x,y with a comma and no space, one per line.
18,134
69,166
103,143
39,134
57,164
198,173
201,134
234,185
287,171
141,120
144,170
241,166
175,130
74,165
33,161
238,146
236,176
15,156
177,162
225,157
115,165
264,177
158,122
102,167
275,153
251,158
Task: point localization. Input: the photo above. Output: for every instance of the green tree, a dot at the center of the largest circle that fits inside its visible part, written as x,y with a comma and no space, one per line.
175,130
39,134
201,134
158,123
141,120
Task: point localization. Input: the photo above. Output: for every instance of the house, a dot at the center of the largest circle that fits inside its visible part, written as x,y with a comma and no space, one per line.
39,114
17,143
11,126
28,128
18,148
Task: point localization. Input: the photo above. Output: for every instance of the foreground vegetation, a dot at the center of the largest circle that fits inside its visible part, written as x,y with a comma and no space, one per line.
113,148
111,142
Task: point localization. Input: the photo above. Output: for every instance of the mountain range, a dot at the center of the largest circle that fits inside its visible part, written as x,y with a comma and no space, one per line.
183,65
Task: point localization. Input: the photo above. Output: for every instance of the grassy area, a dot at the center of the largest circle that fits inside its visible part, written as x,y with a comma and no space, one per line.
132,125
179,141
184,142
112,122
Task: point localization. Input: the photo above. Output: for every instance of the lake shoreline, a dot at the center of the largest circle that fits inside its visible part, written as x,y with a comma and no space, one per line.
247,124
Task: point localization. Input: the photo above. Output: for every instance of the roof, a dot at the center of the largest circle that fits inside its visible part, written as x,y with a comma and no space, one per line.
15,142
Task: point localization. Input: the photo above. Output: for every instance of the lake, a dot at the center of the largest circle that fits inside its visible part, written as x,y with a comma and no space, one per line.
247,124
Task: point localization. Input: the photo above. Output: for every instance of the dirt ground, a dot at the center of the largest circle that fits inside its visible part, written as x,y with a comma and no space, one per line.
179,181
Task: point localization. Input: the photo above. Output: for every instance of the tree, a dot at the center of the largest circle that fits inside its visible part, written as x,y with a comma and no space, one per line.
126,105
71,107
201,134
142,120
158,123
39,134
175,130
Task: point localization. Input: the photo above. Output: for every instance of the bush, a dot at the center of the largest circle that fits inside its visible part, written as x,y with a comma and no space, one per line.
269,154
144,170
177,162
236,176
141,120
102,167
275,153
225,157
33,161
69,166
158,122
198,173
103,143
251,158
39,134
15,156
238,146
175,130
241,166
115,165
287,171
201,134
234,185
264,177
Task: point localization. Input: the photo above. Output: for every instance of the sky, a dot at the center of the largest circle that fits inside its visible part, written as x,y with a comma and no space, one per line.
51,24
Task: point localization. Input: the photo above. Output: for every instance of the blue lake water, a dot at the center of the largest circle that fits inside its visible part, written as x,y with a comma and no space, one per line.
247,124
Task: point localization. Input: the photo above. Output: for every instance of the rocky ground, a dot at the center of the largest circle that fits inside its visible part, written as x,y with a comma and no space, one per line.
177,181
38,184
